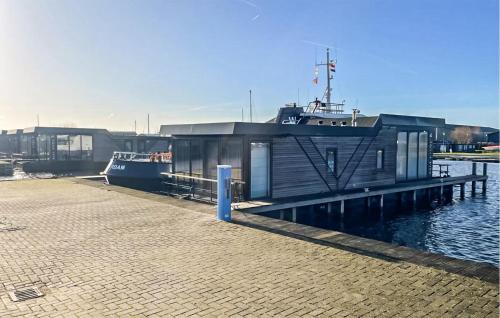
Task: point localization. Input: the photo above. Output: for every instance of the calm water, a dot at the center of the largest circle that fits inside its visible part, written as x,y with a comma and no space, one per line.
466,229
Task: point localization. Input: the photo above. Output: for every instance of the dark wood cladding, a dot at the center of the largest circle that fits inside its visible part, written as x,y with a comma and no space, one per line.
299,164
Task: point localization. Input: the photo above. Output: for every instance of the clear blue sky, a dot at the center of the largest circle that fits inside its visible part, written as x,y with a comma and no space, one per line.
108,63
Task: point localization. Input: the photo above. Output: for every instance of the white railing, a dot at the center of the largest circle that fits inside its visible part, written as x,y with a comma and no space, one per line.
165,157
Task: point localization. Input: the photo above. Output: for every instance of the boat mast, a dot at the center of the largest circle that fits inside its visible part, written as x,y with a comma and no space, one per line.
329,77
328,89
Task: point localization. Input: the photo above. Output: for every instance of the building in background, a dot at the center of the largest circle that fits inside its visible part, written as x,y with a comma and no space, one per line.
59,149
493,138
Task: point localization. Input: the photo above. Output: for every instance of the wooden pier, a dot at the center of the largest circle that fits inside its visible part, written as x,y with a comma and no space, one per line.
437,188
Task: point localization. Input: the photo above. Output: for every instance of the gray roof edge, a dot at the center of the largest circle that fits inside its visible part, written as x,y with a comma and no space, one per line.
409,120
271,129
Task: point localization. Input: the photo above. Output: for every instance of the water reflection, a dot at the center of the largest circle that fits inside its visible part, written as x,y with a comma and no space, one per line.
466,229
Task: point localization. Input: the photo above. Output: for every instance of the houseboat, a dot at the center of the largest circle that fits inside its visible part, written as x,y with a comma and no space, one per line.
70,149
293,158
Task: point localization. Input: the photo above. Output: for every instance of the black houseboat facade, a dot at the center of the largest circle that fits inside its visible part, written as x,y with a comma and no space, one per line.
277,161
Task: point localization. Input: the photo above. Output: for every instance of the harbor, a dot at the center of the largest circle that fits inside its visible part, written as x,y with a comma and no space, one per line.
249,158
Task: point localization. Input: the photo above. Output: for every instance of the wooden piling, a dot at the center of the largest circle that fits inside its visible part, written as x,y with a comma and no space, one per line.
462,191
294,214
474,172
485,173
329,207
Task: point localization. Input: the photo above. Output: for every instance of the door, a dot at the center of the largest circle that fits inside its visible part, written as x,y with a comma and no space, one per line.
259,170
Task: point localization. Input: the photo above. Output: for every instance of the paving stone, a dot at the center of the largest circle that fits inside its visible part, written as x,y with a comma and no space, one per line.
99,253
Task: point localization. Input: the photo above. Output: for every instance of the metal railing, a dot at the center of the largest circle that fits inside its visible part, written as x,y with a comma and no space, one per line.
325,108
199,188
443,171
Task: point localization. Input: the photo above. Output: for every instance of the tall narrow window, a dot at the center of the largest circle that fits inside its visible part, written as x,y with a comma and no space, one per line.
331,159
380,159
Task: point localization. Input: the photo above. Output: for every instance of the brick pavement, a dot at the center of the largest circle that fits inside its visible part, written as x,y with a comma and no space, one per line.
98,253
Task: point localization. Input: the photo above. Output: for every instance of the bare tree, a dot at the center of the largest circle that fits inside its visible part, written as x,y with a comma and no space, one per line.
461,135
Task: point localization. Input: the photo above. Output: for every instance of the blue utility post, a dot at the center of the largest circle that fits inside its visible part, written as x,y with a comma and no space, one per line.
224,193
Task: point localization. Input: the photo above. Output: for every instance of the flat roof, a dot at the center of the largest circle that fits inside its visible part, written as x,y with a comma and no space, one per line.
405,120
62,130
242,128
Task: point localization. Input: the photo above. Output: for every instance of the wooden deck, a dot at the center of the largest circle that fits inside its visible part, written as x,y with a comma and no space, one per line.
260,206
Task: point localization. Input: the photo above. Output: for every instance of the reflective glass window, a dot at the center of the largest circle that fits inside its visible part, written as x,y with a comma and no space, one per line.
422,154
181,156
87,151
401,156
75,147
412,155
62,147
232,153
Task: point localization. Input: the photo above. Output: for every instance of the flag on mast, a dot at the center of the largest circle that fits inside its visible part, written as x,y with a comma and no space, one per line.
332,65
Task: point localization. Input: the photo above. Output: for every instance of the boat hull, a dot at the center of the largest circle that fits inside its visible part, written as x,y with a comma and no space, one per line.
140,175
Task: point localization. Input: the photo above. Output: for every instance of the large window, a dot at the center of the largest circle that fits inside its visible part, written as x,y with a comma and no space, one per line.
412,152
181,156
87,152
422,154
331,159
43,144
196,158
62,147
74,147
28,146
232,150
401,156
412,155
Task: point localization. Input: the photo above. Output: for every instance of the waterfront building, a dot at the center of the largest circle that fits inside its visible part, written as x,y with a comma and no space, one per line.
277,161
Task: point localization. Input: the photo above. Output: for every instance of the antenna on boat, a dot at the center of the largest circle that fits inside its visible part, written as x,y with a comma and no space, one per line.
251,118
330,68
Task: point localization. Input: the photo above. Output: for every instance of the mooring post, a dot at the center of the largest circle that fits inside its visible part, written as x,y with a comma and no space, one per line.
294,214
224,192
329,207
474,173
441,192
485,173
462,191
